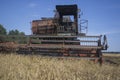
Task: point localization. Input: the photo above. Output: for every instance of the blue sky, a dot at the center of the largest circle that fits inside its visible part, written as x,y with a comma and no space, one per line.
103,16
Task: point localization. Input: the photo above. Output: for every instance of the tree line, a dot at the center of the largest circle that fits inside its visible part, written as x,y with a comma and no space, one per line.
5,36
3,31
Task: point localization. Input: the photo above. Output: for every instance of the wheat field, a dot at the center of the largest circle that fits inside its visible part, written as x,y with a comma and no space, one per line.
36,67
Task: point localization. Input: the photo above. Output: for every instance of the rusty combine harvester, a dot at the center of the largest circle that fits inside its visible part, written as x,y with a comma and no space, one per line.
63,36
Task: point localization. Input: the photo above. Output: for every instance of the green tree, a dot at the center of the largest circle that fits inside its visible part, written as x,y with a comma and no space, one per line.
15,32
11,32
21,33
17,36
2,30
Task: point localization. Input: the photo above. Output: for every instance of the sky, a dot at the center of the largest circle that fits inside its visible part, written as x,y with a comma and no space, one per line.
103,16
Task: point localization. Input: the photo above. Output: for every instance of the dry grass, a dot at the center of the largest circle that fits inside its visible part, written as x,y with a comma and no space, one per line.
113,55
112,58
33,67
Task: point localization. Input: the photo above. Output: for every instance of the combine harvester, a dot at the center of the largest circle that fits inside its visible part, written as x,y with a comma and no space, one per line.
63,36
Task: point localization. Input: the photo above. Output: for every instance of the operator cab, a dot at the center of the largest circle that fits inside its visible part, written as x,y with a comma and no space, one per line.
67,19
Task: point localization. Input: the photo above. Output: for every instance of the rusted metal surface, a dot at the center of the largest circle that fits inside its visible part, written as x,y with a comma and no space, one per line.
43,26
8,47
64,46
